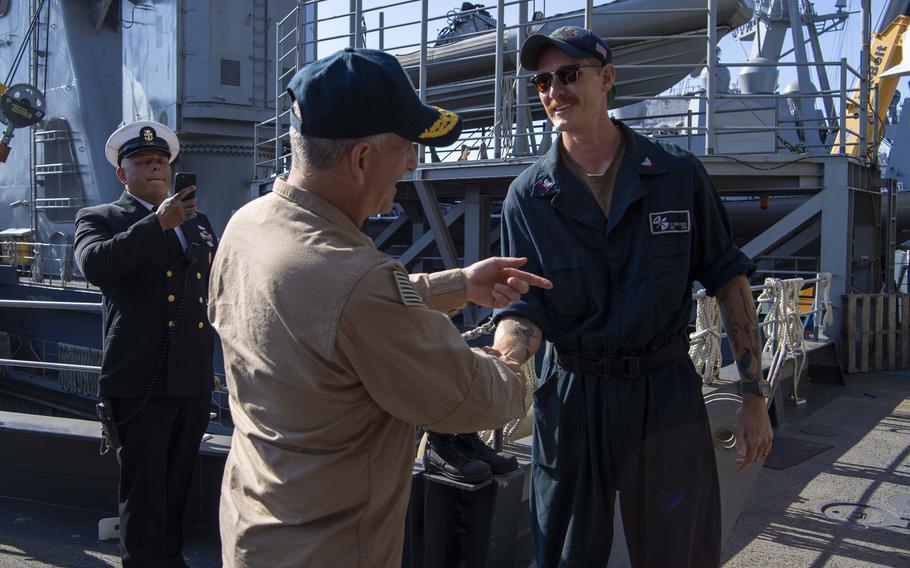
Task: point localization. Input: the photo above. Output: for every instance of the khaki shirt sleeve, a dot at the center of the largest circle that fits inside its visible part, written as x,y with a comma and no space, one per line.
442,291
414,363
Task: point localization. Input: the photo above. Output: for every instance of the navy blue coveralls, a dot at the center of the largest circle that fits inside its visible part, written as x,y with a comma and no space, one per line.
621,287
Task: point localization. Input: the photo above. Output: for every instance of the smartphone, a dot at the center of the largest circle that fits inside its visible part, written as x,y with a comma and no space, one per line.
182,180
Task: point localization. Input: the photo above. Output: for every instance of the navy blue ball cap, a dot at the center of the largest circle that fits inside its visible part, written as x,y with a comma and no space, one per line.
572,40
356,93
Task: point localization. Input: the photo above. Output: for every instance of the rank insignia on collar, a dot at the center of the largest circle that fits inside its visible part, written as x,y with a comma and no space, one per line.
206,236
409,294
544,186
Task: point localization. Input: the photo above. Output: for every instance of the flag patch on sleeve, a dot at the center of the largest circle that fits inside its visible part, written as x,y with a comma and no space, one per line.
409,295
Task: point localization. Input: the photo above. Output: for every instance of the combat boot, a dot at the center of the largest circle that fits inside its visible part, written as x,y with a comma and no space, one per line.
443,456
473,447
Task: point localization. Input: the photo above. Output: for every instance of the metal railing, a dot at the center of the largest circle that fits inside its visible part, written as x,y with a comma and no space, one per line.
505,121
42,349
44,263
786,312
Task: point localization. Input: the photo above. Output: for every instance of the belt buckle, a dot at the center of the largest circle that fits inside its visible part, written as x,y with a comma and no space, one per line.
631,367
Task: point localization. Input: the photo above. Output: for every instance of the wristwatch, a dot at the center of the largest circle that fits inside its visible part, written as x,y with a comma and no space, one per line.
760,387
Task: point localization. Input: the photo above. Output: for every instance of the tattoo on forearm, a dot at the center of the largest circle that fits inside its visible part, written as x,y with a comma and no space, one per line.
738,311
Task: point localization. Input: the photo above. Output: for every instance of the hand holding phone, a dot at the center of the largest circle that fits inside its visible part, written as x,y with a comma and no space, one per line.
185,179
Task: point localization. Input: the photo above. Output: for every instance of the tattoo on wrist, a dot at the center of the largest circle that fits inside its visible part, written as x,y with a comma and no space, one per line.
523,336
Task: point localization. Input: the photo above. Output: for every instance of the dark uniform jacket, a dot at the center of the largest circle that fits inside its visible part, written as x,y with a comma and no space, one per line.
121,248
621,284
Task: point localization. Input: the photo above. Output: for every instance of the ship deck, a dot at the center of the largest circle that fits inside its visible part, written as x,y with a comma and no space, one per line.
834,492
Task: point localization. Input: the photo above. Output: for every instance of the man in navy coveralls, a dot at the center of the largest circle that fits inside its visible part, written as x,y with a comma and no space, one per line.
622,226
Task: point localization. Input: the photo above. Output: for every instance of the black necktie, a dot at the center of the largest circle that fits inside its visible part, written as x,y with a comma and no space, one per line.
173,242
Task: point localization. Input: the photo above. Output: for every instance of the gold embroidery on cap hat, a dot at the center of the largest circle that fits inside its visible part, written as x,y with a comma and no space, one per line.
443,125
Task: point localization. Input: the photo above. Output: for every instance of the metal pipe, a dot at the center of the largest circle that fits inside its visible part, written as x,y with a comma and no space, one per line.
44,365
843,106
33,145
381,31
422,81
522,118
820,70
711,82
359,39
278,76
497,87
589,14
864,79
72,306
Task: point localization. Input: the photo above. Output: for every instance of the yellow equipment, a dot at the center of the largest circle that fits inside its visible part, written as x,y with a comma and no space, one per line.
884,55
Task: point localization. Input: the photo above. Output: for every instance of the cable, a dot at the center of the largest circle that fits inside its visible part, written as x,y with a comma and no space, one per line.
22,48
47,36
777,167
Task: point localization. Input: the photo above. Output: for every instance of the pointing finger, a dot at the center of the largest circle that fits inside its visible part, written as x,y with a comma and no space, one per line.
509,261
532,279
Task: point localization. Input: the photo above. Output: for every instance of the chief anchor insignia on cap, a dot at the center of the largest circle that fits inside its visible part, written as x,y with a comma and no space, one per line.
138,136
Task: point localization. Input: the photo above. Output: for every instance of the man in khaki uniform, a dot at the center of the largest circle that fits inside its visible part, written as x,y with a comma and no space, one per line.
333,352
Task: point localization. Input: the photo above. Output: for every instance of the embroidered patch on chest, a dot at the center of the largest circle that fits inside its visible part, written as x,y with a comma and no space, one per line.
409,295
670,222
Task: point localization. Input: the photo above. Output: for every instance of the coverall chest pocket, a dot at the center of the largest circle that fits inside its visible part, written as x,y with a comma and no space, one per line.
558,434
668,259
571,292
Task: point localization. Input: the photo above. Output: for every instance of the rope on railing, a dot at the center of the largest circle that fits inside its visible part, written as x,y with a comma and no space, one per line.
785,336
704,342
81,382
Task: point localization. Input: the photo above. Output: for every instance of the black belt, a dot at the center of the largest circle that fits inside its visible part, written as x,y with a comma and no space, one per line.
630,366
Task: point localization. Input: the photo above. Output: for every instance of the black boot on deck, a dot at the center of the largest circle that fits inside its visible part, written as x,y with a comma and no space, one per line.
473,447
443,455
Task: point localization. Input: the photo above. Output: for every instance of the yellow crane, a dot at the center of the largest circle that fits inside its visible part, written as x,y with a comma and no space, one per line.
883,57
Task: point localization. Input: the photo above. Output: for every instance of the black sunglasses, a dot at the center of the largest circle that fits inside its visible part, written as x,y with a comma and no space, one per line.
567,75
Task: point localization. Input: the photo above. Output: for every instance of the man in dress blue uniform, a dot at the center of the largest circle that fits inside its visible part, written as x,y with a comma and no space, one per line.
150,255
622,226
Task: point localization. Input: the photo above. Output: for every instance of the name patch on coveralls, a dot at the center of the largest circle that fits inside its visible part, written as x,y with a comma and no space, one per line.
669,222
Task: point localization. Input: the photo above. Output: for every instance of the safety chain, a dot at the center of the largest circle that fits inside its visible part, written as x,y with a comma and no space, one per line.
486,328
217,149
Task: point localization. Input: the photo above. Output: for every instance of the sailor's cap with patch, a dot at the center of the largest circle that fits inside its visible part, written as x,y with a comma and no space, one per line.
141,135
573,41
356,93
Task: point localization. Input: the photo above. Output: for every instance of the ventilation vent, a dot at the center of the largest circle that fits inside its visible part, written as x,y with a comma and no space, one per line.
230,72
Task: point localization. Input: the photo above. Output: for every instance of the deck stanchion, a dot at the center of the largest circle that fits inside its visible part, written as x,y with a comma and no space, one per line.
878,301
905,330
851,333
711,79
892,330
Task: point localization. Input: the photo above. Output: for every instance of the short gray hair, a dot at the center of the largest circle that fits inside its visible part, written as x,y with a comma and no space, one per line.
311,152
